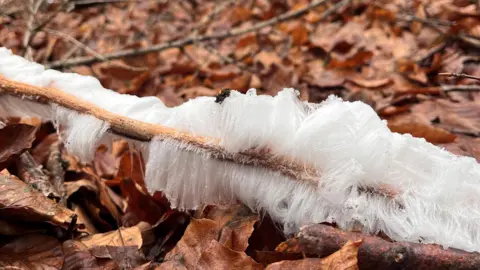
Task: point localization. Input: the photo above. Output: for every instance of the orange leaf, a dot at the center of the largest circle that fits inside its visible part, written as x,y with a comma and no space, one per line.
345,258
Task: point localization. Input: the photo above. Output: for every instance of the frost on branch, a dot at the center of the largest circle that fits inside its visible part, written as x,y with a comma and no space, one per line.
330,162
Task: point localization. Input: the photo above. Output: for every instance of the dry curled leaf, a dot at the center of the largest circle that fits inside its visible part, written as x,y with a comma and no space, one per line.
14,139
197,237
32,252
217,256
118,238
21,202
344,259
236,224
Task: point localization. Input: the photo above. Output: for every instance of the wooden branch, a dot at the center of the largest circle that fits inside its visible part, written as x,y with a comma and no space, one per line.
459,75
377,253
193,39
143,131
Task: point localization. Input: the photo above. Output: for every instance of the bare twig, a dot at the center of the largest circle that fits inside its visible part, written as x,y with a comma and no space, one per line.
460,88
459,75
90,50
33,6
191,40
91,2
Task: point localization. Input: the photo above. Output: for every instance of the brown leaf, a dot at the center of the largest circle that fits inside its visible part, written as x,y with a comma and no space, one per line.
453,116
345,258
372,83
14,139
269,257
32,251
197,237
464,146
292,245
131,166
239,14
141,206
242,82
41,151
193,92
118,238
21,202
106,195
420,130
299,34
236,223
217,256
32,175
77,256
267,59
104,163
358,59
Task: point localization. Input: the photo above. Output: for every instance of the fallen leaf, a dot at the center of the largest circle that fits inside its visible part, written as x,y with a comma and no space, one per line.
122,237
104,163
14,139
236,223
345,258
299,34
217,256
193,92
32,175
373,83
32,251
420,130
358,59
196,239
269,257
77,256
21,202
292,245
267,59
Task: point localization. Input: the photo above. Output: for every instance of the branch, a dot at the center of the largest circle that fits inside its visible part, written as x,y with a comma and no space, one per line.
193,39
459,75
143,131
377,253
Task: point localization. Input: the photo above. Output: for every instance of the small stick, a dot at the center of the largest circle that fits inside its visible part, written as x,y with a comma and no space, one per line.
459,75
193,39
377,253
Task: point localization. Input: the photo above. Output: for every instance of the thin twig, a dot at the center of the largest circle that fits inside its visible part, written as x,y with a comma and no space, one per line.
459,75
460,88
190,40
91,51
33,7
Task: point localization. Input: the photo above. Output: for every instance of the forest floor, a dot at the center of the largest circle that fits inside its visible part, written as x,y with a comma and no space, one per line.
416,63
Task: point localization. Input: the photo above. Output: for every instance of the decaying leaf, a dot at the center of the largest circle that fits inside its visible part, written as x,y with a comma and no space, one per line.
122,237
217,256
197,237
14,139
22,202
32,252
345,258
236,223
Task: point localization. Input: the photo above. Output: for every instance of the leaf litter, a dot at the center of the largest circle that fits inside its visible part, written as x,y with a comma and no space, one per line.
385,53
